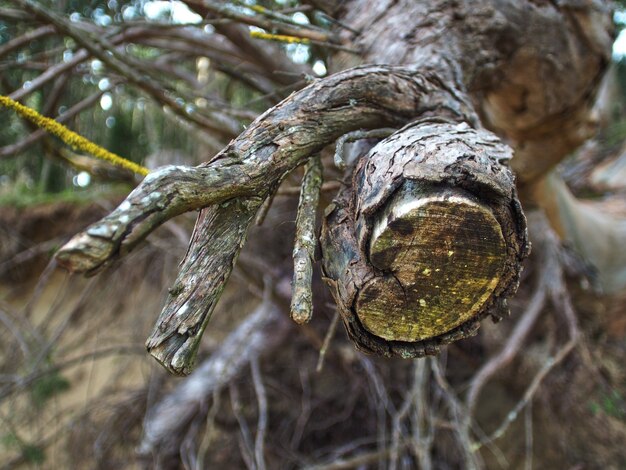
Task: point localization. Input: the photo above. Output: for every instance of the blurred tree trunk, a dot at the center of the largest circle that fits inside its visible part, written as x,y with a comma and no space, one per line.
532,68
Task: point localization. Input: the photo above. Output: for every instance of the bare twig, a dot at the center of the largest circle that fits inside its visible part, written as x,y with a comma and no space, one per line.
245,441
340,161
528,434
264,209
553,278
269,60
305,412
510,349
209,429
105,51
329,335
357,461
22,382
382,404
306,241
329,186
424,416
64,117
26,39
548,366
309,32
459,413
259,441
15,331
399,417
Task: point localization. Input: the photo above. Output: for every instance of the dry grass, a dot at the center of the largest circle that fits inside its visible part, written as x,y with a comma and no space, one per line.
544,388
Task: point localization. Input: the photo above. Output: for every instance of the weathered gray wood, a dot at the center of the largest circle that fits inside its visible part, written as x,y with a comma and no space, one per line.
256,161
203,274
306,241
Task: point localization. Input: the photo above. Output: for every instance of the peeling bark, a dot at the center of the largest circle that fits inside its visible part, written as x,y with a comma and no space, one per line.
427,241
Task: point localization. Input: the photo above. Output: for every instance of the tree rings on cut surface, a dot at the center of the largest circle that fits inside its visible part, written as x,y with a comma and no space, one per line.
442,253
427,241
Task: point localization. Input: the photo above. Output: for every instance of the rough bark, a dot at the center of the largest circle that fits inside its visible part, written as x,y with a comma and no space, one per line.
254,163
532,68
427,241
304,246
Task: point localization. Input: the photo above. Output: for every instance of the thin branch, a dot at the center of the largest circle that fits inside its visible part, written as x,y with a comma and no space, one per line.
298,40
329,335
105,51
528,434
358,461
260,333
15,331
66,116
306,241
459,413
245,442
556,287
548,366
14,14
25,39
21,382
330,186
28,254
264,209
259,388
423,417
398,418
340,160
305,412
312,33
269,59
511,348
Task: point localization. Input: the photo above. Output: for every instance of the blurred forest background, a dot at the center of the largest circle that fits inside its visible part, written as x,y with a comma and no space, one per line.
77,389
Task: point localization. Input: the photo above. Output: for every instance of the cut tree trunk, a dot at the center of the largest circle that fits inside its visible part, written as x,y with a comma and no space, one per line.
416,255
427,241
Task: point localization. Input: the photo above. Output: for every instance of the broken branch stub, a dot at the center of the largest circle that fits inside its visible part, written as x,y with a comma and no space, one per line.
427,241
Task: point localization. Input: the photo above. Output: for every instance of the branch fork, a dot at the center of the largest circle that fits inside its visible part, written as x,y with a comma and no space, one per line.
230,190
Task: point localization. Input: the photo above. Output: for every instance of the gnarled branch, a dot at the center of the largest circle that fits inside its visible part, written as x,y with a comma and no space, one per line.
233,185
